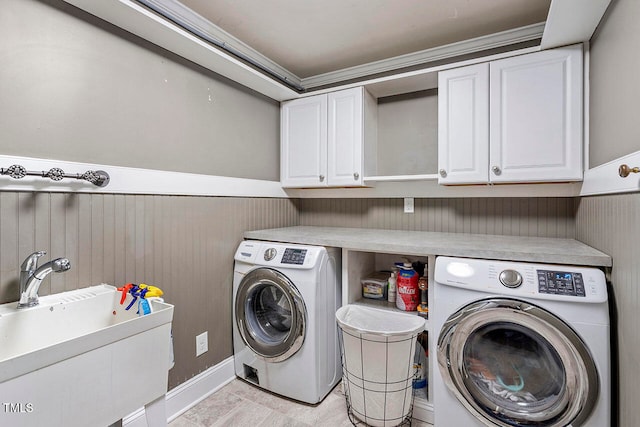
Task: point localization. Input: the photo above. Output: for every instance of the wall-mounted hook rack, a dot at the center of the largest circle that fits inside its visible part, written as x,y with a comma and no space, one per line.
99,178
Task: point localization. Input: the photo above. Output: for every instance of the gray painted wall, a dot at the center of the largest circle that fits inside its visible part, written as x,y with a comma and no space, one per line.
408,134
76,88
610,223
613,122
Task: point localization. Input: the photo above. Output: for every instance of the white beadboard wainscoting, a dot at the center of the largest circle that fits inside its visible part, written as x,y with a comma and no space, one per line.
182,244
511,216
610,224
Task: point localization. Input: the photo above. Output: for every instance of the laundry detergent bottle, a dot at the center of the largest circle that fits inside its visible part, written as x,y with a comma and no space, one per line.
407,292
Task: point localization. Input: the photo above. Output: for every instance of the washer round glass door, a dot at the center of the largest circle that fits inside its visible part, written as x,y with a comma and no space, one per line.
512,363
270,314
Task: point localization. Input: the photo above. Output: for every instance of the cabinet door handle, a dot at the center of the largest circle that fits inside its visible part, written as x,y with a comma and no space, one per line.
356,175
443,173
496,170
321,178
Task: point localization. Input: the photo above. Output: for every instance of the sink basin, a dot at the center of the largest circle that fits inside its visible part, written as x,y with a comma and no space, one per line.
79,358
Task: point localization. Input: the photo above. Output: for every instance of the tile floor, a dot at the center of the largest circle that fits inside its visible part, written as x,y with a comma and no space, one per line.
241,404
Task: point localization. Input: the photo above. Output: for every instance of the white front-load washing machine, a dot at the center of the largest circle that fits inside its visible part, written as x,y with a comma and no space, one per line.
520,344
285,338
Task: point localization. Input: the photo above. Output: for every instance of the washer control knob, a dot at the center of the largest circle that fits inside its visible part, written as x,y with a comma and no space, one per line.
270,254
510,278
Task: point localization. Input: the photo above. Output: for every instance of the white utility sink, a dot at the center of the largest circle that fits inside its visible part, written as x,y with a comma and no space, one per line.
79,358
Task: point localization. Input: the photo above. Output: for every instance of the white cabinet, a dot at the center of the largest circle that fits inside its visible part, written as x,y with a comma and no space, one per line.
463,125
517,119
325,138
303,139
536,117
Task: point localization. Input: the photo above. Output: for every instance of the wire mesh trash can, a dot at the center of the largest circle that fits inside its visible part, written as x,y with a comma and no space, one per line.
377,349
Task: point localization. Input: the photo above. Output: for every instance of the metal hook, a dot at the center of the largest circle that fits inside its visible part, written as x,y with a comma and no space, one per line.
625,170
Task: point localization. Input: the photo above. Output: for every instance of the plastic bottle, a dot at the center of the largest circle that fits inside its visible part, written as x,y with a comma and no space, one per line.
407,293
391,292
423,307
419,367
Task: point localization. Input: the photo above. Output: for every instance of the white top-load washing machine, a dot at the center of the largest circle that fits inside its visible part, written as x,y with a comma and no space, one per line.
285,337
520,344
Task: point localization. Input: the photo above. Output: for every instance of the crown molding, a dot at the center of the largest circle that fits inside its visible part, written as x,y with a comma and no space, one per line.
169,24
195,23
478,44
191,21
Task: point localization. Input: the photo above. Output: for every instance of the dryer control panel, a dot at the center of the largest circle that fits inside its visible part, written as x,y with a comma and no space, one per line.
523,279
294,256
560,283
274,254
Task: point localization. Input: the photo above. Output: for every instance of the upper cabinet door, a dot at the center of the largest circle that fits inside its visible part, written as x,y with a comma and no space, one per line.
303,142
536,117
463,125
345,137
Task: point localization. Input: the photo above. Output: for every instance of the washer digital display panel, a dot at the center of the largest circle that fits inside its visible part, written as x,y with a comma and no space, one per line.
560,283
294,256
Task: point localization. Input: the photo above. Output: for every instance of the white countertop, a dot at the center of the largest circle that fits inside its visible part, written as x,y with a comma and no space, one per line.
485,246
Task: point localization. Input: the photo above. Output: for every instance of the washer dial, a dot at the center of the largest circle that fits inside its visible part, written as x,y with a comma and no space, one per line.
270,254
510,278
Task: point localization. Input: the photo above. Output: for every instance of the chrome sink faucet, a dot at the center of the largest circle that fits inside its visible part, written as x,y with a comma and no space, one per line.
31,276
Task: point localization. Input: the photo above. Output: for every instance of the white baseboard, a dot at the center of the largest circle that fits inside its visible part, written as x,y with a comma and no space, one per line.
189,393
423,411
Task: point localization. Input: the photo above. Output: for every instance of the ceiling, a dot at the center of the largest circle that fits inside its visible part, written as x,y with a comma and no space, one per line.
312,37
251,41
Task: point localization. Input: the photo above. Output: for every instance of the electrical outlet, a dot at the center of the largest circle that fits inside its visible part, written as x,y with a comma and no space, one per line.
408,205
202,343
